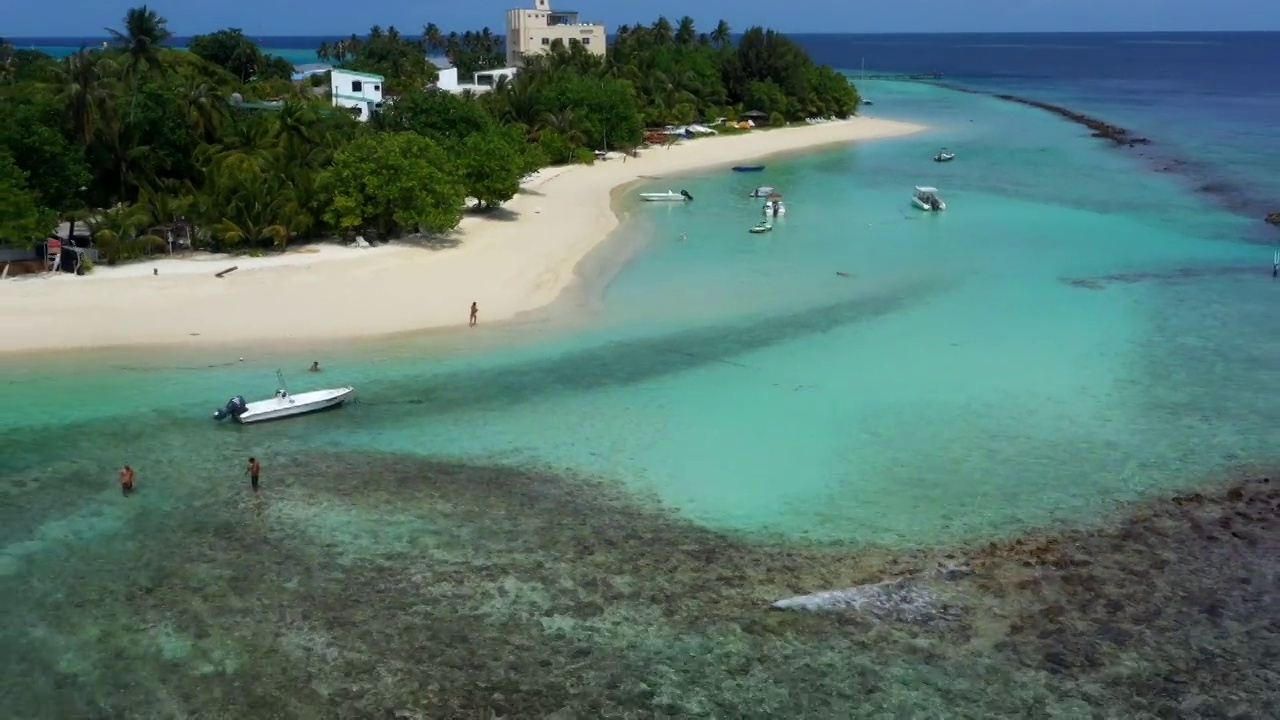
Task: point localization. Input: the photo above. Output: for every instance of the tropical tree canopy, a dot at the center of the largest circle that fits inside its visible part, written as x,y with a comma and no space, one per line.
214,146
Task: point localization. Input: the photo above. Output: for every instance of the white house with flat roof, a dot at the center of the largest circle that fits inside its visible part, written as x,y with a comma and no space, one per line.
531,31
361,92
483,81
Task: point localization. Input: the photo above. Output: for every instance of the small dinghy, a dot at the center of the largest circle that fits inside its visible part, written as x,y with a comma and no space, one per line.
668,196
748,168
762,191
761,227
944,155
283,405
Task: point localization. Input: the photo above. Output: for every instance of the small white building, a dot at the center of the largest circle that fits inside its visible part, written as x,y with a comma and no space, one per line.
483,81
361,92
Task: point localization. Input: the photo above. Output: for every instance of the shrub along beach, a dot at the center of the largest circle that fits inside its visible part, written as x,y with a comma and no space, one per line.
216,147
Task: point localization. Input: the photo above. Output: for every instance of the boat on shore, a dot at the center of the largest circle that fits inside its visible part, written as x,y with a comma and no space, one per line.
748,168
668,196
926,198
762,191
283,405
944,155
761,227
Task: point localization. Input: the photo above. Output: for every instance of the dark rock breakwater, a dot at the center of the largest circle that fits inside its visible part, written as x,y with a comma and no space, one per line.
1100,128
1228,194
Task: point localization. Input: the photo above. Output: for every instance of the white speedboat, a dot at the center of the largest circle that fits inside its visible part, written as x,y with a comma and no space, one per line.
761,227
762,191
944,155
283,405
773,207
926,198
668,196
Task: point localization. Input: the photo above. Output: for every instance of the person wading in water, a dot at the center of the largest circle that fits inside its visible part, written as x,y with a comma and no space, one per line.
126,480
252,471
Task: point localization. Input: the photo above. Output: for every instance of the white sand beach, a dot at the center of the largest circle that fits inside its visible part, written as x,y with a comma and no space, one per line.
514,260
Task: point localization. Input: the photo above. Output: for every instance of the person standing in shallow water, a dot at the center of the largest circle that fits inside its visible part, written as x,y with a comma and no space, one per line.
126,480
252,471
475,314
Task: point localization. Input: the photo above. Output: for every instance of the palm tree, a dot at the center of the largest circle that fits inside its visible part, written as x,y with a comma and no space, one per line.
115,232
166,208
142,39
323,53
722,35
686,33
82,82
433,38
205,108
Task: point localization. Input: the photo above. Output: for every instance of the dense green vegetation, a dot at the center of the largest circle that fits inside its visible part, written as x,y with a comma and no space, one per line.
217,146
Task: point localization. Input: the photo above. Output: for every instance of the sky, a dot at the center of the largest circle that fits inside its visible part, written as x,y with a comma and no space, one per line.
87,18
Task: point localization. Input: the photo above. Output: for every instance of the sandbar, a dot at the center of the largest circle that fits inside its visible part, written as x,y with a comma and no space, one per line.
516,259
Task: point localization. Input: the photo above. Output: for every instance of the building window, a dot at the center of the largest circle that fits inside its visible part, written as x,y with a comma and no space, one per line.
357,86
586,41
377,88
546,41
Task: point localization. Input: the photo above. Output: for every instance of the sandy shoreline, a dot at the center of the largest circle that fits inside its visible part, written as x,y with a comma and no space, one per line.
518,259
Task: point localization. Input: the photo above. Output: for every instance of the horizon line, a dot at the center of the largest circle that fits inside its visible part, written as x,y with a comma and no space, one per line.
340,35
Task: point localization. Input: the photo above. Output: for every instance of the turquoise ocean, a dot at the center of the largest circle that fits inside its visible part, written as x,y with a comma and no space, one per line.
589,509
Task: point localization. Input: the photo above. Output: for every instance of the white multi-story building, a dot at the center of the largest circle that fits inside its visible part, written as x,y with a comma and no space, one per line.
362,92
531,32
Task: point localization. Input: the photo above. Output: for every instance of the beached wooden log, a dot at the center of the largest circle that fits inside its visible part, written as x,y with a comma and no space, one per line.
224,272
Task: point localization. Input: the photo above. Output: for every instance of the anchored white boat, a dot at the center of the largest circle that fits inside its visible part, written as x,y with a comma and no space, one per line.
761,227
762,191
926,198
944,155
773,207
668,196
283,405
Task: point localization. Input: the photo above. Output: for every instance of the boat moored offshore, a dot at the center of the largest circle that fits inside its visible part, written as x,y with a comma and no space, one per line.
668,196
926,198
283,405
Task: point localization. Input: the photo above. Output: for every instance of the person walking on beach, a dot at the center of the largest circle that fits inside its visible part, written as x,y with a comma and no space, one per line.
126,480
475,314
252,471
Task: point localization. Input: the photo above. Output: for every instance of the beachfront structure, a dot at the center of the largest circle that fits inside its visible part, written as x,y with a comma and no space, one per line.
483,81
361,92
531,32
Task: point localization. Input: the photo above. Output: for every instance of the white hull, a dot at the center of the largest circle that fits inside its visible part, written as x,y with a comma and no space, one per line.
925,206
772,208
758,229
663,197
290,405
763,191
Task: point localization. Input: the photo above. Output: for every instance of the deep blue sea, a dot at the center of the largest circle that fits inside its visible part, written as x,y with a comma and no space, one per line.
579,519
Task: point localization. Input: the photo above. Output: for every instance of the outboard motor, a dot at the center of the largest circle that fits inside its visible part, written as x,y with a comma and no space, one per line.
686,194
933,203
236,407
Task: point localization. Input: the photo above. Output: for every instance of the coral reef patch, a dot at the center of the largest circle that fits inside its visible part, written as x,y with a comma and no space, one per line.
375,585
